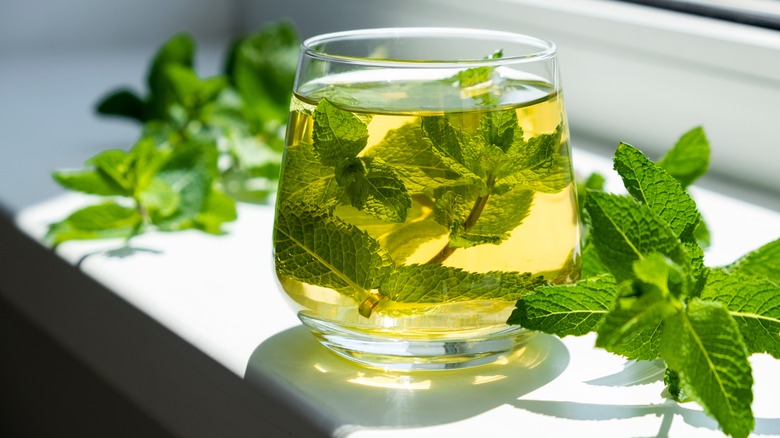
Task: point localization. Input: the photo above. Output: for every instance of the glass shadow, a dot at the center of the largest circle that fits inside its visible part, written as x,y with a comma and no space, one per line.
354,395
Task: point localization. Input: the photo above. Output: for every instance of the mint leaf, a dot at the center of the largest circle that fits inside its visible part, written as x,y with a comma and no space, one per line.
339,135
632,328
217,209
689,158
261,67
410,154
178,50
374,188
123,103
447,143
189,90
762,262
95,222
565,310
653,186
439,284
591,264
114,164
89,181
753,302
502,214
537,163
314,247
704,346
623,231
305,181
498,128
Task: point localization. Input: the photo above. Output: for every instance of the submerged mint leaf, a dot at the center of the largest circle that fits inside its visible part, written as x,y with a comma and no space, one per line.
304,181
653,186
412,158
374,188
689,158
440,284
339,135
502,214
623,231
753,302
447,143
704,346
312,246
565,310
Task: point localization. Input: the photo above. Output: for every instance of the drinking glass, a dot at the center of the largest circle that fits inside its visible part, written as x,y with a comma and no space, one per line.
426,186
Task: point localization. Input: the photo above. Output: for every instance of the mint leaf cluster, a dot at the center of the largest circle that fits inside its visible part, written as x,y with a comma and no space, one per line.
648,295
204,144
349,215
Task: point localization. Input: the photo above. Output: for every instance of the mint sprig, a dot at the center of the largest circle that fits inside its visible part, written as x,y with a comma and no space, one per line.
204,143
648,295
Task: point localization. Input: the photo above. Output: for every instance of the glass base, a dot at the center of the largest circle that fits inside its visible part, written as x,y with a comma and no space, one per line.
418,354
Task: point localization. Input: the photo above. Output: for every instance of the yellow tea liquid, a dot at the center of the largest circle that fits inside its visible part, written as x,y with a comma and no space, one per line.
544,241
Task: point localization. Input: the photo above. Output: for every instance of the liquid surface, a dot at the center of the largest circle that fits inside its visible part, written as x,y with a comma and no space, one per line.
480,189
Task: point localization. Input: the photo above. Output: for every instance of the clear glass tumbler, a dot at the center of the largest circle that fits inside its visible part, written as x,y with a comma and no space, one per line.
426,186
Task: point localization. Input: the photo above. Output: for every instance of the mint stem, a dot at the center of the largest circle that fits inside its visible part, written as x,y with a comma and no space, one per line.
471,220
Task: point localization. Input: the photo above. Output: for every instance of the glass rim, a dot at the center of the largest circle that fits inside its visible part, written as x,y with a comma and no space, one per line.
546,48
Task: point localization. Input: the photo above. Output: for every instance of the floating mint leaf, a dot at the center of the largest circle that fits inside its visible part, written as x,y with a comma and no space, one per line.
95,222
565,310
763,262
441,284
689,158
374,188
704,346
653,186
754,303
623,231
632,328
410,154
338,134
314,247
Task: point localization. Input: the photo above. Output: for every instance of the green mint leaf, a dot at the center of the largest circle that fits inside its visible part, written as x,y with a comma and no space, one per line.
374,188
591,264
754,303
89,181
498,128
476,75
305,181
339,135
704,346
632,328
565,310
763,262
656,188
189,90
623,231
123,103
114,164
314,247
689,158
502,214
412,157
218,209
261,67
179,50
432,283
95,222
159,199
447,143
189,171
537,163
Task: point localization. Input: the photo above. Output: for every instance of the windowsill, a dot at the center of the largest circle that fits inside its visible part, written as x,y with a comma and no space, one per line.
218,295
